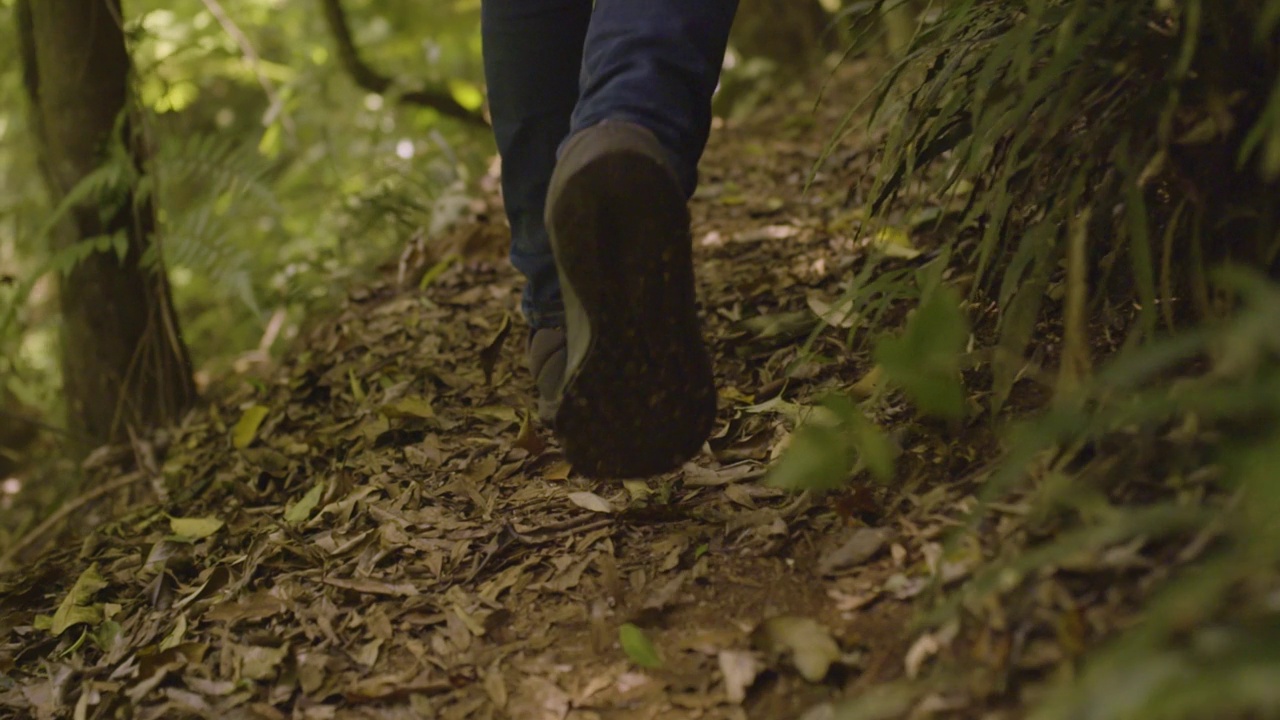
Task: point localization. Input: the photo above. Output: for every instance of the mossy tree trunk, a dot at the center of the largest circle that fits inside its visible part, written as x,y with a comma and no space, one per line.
124,363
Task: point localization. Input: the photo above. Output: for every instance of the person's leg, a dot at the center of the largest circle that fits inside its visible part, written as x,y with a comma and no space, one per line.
639,396
656,63
532,60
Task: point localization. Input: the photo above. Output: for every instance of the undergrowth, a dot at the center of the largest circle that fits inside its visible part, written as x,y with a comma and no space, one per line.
1095,163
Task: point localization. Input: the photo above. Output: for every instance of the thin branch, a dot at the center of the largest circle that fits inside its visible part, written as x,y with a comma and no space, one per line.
63,513
366,77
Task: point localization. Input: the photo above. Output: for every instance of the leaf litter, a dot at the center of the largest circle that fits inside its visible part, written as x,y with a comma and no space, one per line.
376,528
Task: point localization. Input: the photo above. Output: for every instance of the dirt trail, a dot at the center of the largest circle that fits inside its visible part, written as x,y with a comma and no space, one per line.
397,540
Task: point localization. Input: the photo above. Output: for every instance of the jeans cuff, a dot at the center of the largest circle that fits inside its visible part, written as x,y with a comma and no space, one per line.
540,319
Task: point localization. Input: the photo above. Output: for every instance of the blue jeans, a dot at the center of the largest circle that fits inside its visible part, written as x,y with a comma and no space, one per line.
555,67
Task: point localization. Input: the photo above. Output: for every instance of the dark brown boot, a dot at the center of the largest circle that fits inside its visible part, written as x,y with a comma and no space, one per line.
639,397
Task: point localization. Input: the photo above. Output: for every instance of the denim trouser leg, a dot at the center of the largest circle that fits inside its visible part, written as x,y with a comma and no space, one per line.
532,58
556,66
656,63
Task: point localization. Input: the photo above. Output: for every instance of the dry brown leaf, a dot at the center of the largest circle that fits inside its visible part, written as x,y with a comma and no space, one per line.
591,501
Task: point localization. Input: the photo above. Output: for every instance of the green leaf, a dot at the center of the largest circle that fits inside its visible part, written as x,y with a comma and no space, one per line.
74,608
246,429
817,459
197,528
638,647
925,360
301,510
833,444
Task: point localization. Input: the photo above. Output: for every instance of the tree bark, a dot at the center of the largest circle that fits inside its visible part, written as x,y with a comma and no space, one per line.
124,364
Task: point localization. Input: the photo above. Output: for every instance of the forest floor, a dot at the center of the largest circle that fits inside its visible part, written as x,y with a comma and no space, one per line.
372,527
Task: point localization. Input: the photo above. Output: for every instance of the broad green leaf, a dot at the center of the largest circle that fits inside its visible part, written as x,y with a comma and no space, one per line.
197,528
924,361
818,458
301,510
638,647
830,447
74,608
246,429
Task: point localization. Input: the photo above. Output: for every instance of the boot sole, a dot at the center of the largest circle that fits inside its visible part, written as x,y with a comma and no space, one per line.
639,396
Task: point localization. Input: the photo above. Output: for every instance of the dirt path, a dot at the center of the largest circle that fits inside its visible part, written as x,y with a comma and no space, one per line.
397,541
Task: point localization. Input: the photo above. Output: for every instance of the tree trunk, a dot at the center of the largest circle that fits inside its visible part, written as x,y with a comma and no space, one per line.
124,363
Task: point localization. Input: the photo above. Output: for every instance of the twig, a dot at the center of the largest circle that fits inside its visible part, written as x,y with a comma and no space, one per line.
63,512
366,77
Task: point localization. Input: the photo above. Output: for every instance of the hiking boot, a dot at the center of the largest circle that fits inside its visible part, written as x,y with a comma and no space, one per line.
638,397
546,364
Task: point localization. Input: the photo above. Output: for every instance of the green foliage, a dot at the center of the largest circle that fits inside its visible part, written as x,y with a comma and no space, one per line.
1055,108
924,361
833,444
275,178
1147,133
1225,596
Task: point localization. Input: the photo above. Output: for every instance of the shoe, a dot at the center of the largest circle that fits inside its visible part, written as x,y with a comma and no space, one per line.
546,355
638,397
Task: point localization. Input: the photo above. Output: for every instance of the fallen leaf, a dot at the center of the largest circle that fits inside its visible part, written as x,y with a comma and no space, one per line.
373,587
558,471
740,669
894,242
638,490
528,438
493,349
302,509
928,645
74,608
174,638
197,528
809,644
768,232
409,407
367,654
840,313
905,588
861,546
591,501
638,647
246,429
497,412
260,663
